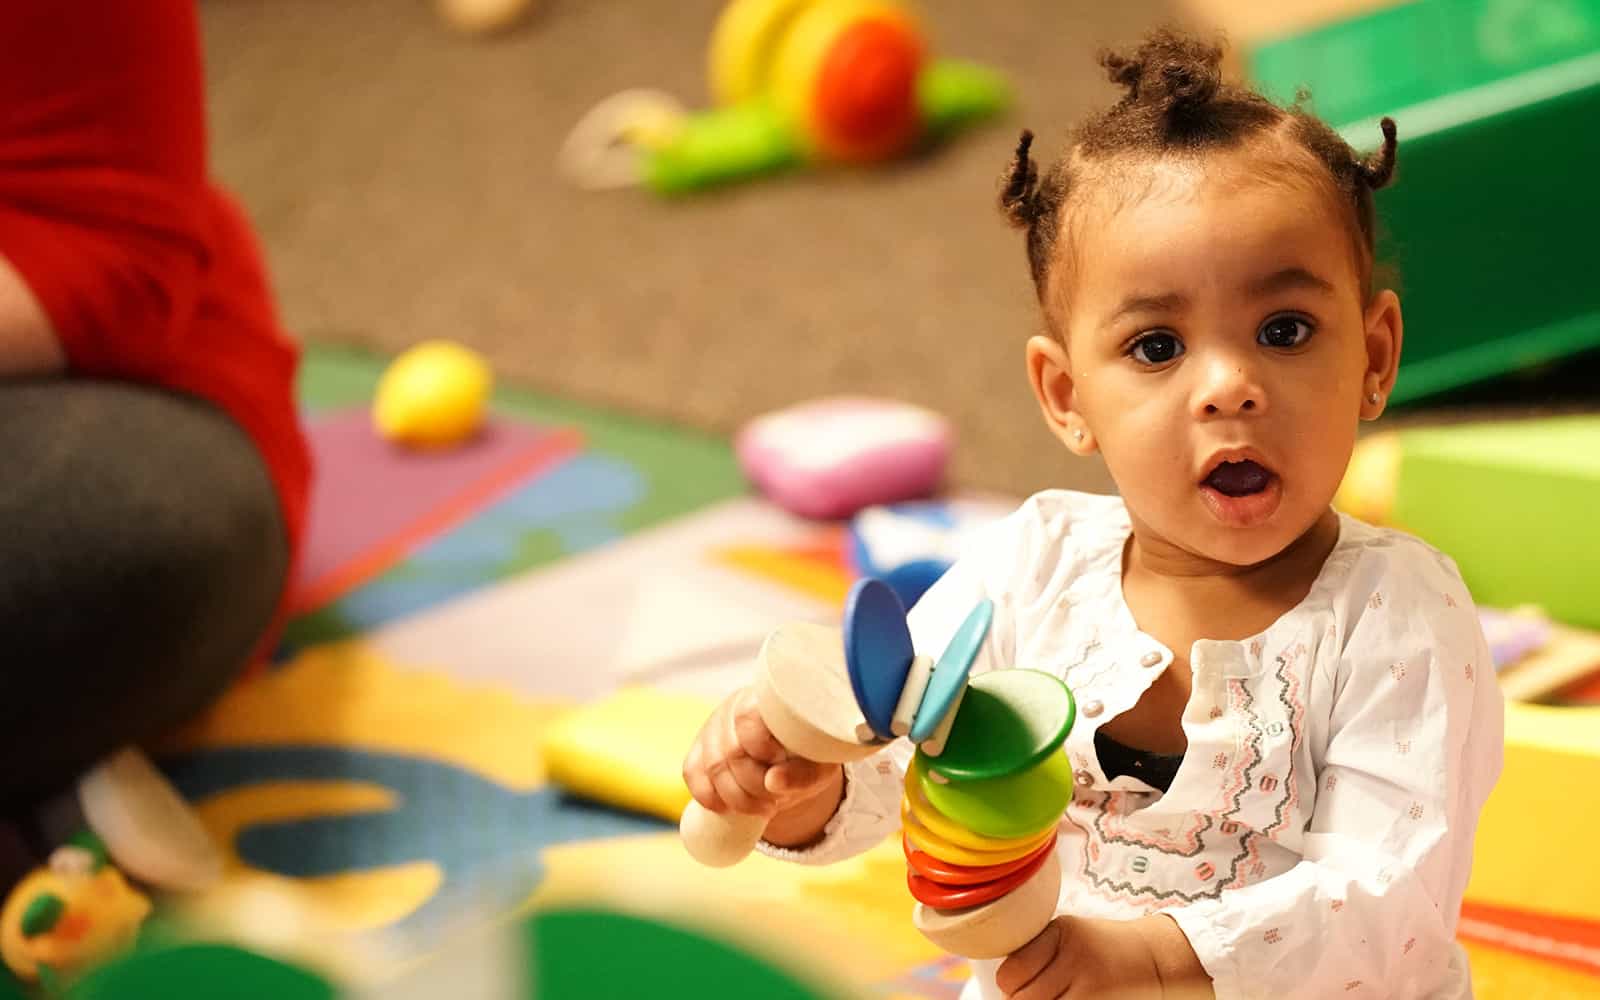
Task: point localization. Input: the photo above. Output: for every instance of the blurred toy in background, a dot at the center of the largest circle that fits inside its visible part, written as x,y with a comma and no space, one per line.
1506,85
432,396
552,952
1511,501
481,17
77,911
794,82
830,458
910,545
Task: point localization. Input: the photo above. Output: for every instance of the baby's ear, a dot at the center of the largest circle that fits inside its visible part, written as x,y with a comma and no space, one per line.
1385,332
1050,374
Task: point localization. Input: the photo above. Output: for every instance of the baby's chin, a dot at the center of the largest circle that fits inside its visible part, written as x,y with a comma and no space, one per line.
1242,547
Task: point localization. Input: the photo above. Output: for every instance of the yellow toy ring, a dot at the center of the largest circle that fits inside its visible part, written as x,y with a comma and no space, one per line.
930,843
947,829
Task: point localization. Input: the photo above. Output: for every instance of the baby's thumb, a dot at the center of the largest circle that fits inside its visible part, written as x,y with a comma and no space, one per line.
795,775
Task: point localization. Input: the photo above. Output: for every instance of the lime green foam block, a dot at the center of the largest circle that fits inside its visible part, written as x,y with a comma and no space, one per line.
1516,504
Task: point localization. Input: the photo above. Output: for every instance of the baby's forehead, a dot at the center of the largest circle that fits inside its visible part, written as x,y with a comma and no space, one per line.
1217,180
1153,227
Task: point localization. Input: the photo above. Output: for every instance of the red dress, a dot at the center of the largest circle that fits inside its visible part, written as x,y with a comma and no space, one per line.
147,270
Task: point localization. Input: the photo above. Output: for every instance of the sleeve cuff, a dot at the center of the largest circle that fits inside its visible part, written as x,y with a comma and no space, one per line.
860,822
1214,950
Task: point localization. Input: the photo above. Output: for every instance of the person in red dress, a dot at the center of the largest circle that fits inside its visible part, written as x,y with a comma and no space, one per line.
153,475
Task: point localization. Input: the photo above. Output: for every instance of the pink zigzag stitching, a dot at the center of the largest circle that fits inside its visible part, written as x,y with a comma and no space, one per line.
1237,785
1186,843
1289,693
1251,858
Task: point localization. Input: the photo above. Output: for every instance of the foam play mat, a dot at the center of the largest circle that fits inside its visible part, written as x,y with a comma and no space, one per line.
563,603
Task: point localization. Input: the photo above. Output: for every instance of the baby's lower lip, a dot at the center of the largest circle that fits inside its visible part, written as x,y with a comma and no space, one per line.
1243,511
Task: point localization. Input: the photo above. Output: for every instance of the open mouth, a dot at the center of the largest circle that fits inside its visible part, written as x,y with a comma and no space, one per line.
1239,479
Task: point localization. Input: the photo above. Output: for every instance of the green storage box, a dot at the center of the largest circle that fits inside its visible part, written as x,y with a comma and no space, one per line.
1494,215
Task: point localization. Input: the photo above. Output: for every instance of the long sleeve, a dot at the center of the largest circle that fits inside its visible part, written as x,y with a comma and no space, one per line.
1414,747
104,204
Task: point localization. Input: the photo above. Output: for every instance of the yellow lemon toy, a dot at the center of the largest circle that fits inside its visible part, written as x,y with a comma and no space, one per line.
433,395
63,918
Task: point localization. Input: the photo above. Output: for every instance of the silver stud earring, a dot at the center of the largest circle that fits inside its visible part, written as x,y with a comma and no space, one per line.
1077,435
1373,398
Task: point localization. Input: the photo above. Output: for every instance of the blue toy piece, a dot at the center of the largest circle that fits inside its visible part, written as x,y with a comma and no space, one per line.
877,651
889,528
949,678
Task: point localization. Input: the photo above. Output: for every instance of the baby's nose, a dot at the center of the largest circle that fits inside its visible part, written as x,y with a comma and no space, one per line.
1229,389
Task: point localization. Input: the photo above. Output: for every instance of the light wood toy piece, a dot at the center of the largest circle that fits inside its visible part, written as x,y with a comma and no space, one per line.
803,693
1569,656
995,930
482,17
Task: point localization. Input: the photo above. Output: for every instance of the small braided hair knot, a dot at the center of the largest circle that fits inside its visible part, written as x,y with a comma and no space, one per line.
1376,170
1019,193
1171,74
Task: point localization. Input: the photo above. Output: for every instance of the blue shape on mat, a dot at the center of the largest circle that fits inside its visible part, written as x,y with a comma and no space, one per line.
485,838
579,502
909,580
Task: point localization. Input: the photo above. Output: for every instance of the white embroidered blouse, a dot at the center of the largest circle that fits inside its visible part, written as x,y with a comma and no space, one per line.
1317,837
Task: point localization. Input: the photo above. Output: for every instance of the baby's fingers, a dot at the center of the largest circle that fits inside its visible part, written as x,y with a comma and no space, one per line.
797,776
699,781
751,732
1020,975
732,787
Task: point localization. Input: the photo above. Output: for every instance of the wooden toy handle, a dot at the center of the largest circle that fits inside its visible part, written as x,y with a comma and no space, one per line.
719,840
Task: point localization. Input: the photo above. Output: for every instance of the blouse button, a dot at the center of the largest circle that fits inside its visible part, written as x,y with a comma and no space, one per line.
1092,709
1084,778
1150,659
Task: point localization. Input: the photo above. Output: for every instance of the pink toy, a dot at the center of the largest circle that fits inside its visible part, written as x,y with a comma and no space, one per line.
830,458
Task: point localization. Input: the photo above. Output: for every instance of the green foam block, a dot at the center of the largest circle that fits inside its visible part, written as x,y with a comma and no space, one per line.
1491,217
1516,504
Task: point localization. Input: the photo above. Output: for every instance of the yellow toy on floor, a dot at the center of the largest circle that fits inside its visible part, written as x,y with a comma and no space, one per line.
433,395
624,749
74,913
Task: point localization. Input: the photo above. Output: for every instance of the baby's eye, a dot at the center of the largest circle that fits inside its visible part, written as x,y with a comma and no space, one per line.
1156,348
1284,331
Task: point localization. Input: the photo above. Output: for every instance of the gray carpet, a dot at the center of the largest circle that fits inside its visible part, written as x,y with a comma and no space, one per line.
404,183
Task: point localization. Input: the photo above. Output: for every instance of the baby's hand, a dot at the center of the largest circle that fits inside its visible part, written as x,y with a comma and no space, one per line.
737,765
1083,957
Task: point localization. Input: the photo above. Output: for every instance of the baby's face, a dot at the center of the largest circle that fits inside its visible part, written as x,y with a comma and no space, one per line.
1216,336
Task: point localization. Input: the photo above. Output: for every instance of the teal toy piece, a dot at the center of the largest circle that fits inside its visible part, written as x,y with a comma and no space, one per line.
1010,721
877,651
950,673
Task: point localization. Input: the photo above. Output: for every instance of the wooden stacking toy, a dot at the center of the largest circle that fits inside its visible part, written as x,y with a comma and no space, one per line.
987,784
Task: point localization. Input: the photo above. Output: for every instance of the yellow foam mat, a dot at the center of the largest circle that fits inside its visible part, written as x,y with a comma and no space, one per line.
1533,847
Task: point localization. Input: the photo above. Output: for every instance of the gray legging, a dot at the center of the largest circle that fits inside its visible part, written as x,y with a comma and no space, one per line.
142,554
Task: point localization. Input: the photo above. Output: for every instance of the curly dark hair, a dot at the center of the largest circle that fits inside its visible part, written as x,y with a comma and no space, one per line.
1177,106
